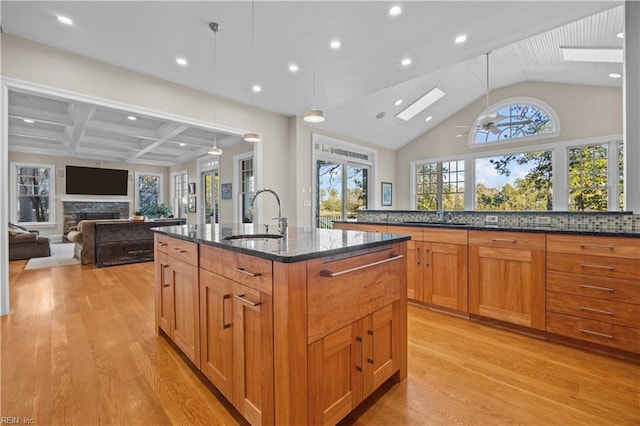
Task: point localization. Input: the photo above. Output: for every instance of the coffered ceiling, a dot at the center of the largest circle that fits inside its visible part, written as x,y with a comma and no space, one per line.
356,85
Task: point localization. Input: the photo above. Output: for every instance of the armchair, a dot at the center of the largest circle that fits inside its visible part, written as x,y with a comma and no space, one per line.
25,244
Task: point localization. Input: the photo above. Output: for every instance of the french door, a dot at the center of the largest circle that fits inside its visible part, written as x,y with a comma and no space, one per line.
211,193
341,189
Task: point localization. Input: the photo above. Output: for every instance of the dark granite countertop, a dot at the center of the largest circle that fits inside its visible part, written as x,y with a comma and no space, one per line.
545,229
298,245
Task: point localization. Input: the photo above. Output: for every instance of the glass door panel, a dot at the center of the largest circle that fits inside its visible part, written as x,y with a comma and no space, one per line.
356,190
330,193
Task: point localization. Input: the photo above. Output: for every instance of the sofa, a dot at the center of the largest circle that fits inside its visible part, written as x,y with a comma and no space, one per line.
84,236
26,244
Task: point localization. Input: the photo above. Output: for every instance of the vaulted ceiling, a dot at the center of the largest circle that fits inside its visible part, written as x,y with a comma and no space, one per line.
356,85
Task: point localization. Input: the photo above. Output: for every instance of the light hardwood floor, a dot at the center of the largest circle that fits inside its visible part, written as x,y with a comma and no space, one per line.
79,347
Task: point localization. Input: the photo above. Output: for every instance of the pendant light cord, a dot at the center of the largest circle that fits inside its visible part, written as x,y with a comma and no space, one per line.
253,50
313,74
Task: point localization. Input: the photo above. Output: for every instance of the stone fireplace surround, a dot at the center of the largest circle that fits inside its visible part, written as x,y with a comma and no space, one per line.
74,211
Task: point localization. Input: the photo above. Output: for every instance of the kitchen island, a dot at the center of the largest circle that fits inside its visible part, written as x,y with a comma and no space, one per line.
293,329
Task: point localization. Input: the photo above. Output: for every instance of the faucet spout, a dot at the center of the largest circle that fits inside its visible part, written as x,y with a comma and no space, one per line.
282,221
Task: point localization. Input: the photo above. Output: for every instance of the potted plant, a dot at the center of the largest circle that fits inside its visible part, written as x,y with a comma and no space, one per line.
157,211
137,216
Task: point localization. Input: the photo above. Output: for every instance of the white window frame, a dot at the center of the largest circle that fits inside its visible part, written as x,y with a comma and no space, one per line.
160,187
520,100
235,183
175,207
559,164
52,195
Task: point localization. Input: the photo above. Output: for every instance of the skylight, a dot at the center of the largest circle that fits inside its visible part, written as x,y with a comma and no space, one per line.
421,104
592,54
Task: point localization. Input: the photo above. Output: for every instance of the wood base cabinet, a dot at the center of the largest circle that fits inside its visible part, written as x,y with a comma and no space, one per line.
507,277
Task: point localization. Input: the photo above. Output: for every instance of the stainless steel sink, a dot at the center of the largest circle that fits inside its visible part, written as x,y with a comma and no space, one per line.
252,237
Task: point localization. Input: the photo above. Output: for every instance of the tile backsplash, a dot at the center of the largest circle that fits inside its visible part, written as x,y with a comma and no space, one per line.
592,221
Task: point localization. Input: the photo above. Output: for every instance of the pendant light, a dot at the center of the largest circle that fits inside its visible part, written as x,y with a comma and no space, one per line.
214,150
314,115
252,136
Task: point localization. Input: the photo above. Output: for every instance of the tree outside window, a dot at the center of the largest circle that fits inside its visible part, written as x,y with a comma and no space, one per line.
148,187
440,184
34,192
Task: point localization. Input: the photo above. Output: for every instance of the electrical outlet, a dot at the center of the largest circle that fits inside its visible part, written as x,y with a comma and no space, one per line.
490,219
306,203
543,220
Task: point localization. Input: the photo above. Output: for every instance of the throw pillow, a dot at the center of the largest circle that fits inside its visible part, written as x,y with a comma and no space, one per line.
15,230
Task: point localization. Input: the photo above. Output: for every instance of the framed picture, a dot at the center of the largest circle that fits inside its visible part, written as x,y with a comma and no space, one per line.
225,191
192,204
192,188
386,193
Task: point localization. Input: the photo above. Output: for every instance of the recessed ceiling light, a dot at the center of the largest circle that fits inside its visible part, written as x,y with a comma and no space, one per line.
592,54
615,75
406,62
335,44
132,117
182,62
397,102
461,39
380,115
429,118
421,104
395,11
28,120
620,34
256,88
293,68
182,143
459,135
64,20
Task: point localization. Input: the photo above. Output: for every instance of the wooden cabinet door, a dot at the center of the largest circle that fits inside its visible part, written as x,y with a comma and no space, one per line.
185,324
216,333
335,367
253,355
507,277
445,275
164,292
382,347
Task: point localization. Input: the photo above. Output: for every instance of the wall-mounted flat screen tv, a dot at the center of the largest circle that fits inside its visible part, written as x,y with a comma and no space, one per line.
96,181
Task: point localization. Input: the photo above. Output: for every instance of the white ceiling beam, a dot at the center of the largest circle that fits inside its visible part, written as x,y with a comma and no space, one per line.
170,130
81,113
47,117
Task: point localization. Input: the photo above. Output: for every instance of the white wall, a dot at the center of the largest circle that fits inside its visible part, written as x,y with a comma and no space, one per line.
584,112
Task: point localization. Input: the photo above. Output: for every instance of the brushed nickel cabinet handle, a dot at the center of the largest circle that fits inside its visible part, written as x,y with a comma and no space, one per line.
179,250
250,274
373,347
224,311
595,333
327,273
504,240
241,298
596,246
359,340
595,311
594,287
164,284
608,268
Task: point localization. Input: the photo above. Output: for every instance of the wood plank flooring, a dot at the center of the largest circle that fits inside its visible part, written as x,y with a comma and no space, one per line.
79,347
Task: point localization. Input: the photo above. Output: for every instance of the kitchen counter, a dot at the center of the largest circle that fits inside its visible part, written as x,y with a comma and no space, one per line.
635,233
298,245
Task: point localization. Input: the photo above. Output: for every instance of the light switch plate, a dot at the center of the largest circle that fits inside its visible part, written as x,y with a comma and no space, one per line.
490,219
306,203
543,220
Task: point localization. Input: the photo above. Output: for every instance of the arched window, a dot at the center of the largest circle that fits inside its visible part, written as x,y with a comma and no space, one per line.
514,118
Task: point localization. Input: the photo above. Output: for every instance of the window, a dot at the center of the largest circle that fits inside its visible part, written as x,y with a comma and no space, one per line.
247,185
440,184
515,182
179,193
590,170
148,191
514,119
33,188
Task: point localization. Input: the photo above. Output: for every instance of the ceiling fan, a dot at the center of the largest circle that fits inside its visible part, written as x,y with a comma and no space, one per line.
492,123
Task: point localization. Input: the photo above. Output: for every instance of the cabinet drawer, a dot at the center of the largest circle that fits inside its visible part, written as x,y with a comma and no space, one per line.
186,251
594,265
162,242
415,232
616,336
448,236
628,248
359,285
346,226
519,240
372,228
595,309
254,272
618,290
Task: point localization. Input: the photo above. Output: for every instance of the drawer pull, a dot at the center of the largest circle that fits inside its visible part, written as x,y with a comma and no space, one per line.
359,340
595,333
250,274
585,265
595,311
596,246
164,284
161,244
179,250
372,360
241,298
503,240
225,325
594,287
327,273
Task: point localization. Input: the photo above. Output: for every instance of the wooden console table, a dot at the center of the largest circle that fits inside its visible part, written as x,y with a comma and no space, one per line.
118,243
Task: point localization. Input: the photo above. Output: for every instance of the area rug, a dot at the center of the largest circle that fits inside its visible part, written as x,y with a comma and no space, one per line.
61,255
